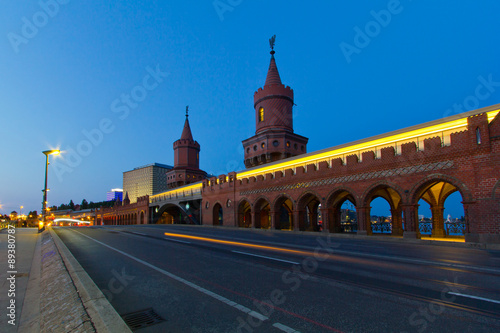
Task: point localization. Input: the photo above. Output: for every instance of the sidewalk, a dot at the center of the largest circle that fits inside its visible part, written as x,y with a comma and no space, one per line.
52,291
25,241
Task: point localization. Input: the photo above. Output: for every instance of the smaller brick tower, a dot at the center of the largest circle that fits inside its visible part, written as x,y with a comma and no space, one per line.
186,159
274,138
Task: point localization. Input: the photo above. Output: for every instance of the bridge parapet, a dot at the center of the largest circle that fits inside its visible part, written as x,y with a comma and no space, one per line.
427,147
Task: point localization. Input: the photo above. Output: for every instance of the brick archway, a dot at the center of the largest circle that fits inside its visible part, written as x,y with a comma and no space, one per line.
435,189
262,213
392,194
217,214
307,211
283,207
338,220
244,214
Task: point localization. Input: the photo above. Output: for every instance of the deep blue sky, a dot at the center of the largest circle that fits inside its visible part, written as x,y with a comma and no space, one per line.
63,79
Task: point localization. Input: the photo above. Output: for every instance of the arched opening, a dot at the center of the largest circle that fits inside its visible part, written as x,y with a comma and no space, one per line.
217,214
244,215
309,214
384,214
440,210
142,218
380,216
342,215
262,214
284,214
171,214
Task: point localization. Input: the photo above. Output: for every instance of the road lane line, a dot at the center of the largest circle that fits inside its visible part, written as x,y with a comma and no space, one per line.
256,255
176,240
207,292
475,297
418,261
285,328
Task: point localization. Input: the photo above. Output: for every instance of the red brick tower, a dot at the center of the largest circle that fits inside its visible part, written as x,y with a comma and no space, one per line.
274,138
186,159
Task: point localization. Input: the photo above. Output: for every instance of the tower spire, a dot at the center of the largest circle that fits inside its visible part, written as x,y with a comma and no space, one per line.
273,76
186,131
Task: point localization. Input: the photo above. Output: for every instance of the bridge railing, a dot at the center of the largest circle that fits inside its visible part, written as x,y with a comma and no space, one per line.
450,228
174,195
382,228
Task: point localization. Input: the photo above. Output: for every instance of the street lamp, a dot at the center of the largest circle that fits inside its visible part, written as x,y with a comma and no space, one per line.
44,203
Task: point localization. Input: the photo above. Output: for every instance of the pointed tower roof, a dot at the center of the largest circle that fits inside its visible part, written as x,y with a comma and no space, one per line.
186,131
126,201
273,76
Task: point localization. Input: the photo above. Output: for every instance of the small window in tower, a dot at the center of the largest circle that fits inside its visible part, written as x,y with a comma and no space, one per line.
478,136
295,146
276,143
288,144
263,145
302,148
248,150
255,148
261,114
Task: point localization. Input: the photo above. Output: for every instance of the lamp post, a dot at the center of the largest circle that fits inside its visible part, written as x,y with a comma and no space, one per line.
44,203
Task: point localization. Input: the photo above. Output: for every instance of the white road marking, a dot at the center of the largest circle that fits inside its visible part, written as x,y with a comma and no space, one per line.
256,255
475,297
176,240
419,261
285,328
385,257
186,282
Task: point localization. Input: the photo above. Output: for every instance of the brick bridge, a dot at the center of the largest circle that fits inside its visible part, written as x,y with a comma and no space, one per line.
286,188
430,162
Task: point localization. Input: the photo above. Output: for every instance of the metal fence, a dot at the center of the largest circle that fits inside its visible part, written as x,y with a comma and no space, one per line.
450,228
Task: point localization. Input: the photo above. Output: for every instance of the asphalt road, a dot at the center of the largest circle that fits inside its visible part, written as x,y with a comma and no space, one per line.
204,279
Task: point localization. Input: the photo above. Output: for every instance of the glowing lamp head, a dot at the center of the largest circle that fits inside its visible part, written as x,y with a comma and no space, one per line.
52,152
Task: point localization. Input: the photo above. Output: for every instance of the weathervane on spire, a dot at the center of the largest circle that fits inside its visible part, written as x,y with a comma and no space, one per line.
187,110
272,40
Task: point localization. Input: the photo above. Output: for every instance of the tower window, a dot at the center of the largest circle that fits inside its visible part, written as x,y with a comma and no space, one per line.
288,144
263,145
276,143
478,136
261,114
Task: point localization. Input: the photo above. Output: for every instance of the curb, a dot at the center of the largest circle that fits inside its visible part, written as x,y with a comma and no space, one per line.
103,316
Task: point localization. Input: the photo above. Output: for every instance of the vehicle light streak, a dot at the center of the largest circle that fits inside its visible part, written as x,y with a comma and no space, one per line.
255,246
